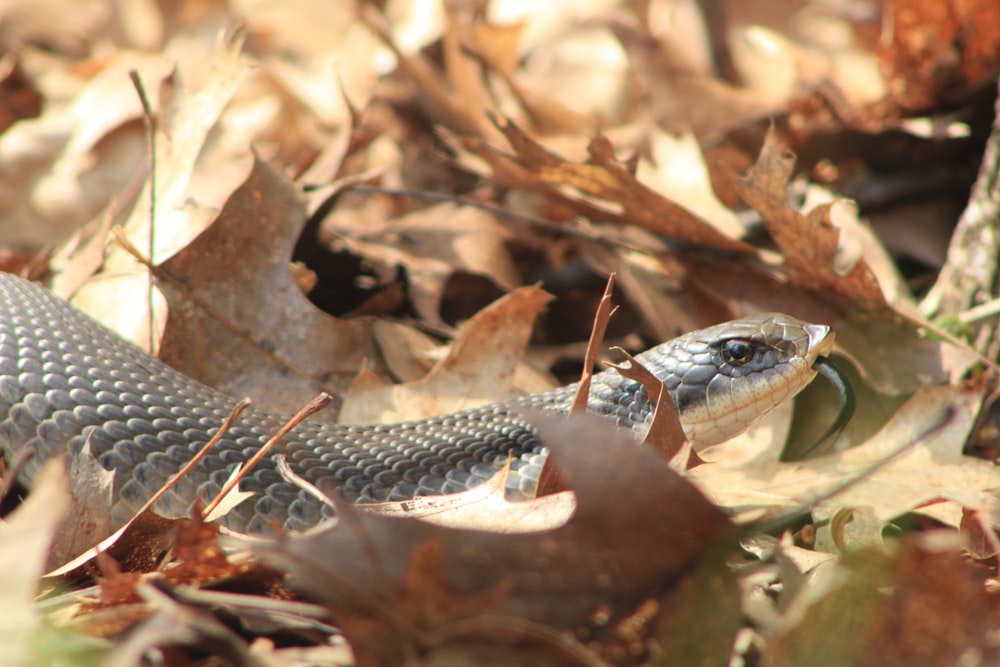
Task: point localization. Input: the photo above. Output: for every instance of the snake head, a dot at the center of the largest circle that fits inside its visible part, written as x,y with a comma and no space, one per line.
726,378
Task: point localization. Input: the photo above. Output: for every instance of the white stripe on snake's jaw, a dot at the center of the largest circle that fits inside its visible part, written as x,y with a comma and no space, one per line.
737,397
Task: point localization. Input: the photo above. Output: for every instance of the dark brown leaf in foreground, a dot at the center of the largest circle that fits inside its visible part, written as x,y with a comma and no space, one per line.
397,585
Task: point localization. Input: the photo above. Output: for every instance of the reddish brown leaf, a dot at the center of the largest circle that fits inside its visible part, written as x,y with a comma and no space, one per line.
601,188
808,243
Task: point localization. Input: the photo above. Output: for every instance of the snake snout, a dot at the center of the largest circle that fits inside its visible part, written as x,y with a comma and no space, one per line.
821,339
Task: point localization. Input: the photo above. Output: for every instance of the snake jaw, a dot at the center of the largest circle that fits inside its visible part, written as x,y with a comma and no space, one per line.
718,398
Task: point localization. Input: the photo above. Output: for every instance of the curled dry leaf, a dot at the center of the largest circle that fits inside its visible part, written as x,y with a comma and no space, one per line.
480,367
637,530
665,434
601,188
810,243
549,481
485,507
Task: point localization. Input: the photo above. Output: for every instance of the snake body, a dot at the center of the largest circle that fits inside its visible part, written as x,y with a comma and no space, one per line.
65,380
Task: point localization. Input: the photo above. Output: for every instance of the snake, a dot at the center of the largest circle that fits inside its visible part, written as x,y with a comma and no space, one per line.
66,381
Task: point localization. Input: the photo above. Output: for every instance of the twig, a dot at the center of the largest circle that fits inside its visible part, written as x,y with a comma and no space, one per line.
202,453
314,406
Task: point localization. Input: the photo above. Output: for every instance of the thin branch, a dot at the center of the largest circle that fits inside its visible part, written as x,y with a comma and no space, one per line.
311,408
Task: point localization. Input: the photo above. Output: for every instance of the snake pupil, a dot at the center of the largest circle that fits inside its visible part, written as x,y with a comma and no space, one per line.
737,352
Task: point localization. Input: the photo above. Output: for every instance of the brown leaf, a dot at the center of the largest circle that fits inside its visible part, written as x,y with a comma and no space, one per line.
239,322
938,49
681,97
916,459
180,214
24,542
89,518
480,367
665,434
924,606
609,558
62,168
809,243
135,547
549,481
601,188
455,95
484,507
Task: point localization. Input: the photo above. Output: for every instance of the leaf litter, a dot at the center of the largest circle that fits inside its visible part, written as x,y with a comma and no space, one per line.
564,121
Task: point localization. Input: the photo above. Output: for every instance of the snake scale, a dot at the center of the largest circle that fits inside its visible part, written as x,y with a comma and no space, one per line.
64,380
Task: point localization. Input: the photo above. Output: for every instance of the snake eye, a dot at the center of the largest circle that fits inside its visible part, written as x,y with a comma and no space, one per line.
737,352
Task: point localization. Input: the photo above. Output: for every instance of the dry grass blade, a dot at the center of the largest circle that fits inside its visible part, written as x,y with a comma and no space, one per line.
288,474
548,478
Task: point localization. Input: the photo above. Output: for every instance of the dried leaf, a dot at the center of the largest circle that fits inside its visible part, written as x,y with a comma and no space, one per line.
485,507
620,558
24,543
916,459
281,350
879,612
89,518
435,245
809,243
178,217
479,367
601,188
